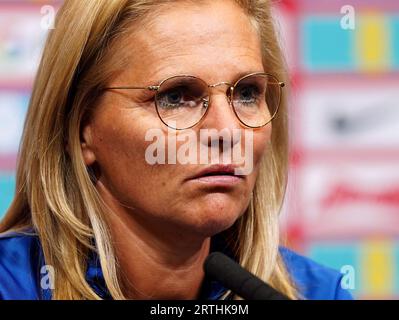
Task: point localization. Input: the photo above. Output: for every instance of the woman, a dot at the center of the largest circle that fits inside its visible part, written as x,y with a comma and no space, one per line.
93,217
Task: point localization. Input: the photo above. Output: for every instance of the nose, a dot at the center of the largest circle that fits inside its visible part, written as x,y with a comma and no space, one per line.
220,119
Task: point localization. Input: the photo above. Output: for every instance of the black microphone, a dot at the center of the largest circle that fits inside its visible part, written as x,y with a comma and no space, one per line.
231,275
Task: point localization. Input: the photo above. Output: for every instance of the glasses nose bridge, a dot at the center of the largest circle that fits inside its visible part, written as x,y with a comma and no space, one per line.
223,83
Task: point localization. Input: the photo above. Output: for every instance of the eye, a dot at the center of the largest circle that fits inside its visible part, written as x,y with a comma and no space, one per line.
171,98
247,94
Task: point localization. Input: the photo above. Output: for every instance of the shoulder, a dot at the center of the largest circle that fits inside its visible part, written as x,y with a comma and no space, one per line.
19,265
314,281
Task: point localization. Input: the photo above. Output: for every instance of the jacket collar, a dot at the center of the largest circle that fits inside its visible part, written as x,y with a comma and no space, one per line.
211,289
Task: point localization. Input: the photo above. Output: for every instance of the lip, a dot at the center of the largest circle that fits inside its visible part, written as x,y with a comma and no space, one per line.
218,175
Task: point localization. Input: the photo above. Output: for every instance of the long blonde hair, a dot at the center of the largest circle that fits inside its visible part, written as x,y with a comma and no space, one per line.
55,194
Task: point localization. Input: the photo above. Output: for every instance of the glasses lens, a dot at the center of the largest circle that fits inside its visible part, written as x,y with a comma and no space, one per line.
256,99
182,101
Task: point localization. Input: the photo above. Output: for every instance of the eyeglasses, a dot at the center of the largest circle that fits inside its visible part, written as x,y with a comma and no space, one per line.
183,101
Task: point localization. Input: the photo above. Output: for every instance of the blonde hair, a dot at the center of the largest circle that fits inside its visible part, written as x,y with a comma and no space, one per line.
55,194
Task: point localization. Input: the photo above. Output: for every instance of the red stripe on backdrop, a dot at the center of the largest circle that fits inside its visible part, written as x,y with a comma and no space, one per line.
8,162
289,5
16,84
352,79
328,6
300,156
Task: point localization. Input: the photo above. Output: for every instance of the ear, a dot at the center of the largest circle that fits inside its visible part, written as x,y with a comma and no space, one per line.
86,144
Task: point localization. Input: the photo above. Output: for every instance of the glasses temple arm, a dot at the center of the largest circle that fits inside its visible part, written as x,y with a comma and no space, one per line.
152,88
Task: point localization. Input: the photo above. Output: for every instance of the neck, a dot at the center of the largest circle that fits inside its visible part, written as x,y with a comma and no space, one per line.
156,262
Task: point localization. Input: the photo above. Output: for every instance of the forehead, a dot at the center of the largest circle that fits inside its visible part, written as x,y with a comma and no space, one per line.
214,39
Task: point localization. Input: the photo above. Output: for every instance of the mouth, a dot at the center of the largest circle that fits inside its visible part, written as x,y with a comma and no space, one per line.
218,175
217,170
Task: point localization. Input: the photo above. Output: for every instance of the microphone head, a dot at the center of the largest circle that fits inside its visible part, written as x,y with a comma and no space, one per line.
231,275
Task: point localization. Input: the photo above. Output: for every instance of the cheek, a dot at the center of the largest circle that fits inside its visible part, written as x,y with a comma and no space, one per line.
261,144
119,145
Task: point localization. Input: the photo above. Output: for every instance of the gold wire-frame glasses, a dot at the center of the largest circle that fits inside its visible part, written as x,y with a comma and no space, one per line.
255,99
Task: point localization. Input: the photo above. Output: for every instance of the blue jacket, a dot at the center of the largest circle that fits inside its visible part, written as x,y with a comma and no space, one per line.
21,273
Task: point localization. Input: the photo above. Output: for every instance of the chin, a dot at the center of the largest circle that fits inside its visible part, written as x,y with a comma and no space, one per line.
212,221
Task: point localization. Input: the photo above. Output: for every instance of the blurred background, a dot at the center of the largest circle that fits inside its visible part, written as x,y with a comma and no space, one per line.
342,202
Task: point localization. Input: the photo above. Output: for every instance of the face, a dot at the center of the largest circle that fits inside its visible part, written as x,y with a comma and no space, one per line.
216,42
